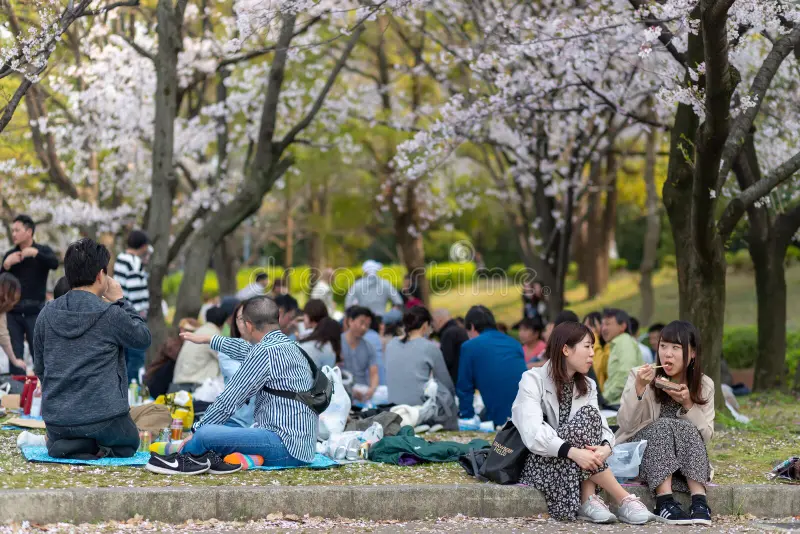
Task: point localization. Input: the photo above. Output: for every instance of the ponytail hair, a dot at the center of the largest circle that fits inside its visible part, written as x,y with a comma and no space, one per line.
414,319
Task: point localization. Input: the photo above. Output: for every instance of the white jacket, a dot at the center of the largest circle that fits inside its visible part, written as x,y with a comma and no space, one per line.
537,398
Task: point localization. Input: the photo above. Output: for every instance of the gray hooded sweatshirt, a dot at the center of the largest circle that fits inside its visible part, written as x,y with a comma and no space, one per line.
78,343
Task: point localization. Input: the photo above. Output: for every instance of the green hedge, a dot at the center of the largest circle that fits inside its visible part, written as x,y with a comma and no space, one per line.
740,347
441,276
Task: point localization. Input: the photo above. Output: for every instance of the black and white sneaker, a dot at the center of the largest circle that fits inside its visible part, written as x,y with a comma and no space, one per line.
177,464
671,513
701,514
218,466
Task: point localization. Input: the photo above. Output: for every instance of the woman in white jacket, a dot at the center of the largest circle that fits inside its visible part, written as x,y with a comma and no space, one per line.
558,418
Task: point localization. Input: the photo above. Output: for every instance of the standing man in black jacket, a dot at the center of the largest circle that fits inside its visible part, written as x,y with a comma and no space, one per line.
451,337
30,262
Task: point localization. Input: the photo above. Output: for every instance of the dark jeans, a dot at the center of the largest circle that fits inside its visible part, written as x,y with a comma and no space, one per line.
115,438
20,327
134,360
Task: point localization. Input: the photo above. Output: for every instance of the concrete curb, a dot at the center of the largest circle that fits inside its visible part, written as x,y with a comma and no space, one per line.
175,505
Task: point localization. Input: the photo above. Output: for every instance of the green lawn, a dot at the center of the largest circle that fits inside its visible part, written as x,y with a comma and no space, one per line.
739,454
623,292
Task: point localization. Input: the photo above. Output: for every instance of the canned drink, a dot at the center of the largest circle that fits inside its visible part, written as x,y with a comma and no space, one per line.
165,434
177,429
145,439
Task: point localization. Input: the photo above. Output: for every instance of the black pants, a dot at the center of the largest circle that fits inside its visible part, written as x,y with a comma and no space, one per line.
20,327
115,438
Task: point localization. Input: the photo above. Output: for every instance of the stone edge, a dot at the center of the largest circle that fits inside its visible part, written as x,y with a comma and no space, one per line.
404,503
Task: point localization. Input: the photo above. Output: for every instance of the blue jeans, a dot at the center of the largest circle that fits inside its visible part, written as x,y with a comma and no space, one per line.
134,360
225,440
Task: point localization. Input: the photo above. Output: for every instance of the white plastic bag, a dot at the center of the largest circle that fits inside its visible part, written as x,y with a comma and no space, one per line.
210,389
626,458
334,418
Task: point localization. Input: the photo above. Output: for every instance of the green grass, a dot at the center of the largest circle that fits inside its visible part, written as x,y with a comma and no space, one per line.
623,292
739,454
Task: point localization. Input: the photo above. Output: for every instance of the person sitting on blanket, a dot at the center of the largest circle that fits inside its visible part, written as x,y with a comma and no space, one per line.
78,358
285,430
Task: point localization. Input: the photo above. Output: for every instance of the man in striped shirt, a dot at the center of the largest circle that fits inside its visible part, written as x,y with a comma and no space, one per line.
129,272
285,430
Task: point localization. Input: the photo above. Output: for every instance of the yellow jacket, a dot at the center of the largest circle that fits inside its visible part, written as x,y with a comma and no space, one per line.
601,363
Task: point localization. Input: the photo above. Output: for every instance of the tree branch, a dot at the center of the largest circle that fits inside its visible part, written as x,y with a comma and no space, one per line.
666,36
761,83
11,107
184,234
106,9
303,124
141,51
266,50
736,208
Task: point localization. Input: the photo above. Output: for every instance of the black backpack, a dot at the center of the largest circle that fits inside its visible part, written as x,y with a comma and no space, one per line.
318,398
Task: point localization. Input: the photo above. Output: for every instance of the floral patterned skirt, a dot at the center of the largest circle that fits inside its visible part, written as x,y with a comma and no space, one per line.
560,478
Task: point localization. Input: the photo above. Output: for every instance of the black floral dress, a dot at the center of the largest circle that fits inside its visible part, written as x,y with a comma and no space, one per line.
560,478
674,447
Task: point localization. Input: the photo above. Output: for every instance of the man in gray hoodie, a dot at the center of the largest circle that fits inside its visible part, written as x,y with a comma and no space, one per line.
79,340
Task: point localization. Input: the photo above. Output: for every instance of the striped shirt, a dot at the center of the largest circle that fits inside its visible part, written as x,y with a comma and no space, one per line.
276,363
133,279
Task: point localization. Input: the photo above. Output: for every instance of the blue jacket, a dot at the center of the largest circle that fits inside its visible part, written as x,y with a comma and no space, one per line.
493,363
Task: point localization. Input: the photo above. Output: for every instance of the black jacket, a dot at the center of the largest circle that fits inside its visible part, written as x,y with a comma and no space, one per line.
32,275
451,336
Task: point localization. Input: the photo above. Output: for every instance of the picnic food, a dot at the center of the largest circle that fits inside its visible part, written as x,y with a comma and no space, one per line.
663,383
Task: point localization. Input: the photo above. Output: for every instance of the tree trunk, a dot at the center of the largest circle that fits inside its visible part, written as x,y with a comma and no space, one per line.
226,265
771,297
211,233
410,246
159,223
652,232
698,247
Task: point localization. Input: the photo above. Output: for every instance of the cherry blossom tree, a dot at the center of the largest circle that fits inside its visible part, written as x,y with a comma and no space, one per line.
536,101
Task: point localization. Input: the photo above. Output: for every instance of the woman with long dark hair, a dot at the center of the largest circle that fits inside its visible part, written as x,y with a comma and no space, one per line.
672,407
324,343
10,293
558,418
413,359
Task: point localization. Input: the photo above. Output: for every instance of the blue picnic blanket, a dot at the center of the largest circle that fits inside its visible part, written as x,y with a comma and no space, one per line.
320,462
39,454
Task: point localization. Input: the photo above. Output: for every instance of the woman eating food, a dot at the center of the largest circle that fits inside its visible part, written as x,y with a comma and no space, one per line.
671,405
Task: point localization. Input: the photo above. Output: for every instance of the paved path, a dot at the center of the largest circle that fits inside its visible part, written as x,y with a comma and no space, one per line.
456,525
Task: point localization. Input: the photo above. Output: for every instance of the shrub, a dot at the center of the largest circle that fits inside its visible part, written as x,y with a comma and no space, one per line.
792,256
618,264
740,346
669,261
739,261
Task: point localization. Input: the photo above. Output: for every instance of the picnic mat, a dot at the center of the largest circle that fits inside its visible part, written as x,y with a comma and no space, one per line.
39,454
320,462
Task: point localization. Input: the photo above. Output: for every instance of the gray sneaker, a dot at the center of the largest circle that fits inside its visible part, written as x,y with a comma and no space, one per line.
633,511
595,510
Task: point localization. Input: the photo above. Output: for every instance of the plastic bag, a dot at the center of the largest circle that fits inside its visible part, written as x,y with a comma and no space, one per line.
180,406
373,434
626,458
210,389
333,420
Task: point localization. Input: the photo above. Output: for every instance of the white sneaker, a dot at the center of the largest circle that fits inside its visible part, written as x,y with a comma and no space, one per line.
633,511
595,510
28,439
